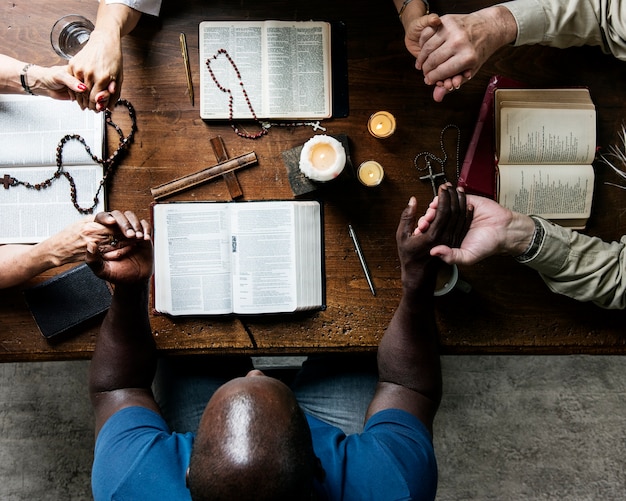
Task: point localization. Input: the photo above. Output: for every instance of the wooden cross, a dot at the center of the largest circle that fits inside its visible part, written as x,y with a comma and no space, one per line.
219,149
432,177
7,181
224,168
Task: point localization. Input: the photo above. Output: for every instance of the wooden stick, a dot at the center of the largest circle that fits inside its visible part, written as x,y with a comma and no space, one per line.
183,183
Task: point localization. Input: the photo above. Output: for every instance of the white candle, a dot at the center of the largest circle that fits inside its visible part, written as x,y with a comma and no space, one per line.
381,124
322,158
371,173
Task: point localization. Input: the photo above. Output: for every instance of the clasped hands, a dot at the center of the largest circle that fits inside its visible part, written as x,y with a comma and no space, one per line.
450,49
444,225
125,254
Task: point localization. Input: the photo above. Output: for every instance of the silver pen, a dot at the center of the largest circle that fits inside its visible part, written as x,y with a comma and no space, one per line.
359,253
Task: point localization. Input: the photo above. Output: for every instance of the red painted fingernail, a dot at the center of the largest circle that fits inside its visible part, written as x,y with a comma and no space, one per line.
82,87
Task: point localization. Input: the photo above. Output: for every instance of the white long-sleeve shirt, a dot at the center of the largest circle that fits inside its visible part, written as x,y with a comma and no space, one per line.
567,23
151,7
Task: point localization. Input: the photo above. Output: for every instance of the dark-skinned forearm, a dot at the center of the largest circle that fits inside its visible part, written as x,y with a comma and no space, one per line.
125,352
408,354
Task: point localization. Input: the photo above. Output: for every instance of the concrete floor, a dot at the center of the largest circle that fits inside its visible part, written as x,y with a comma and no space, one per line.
509,428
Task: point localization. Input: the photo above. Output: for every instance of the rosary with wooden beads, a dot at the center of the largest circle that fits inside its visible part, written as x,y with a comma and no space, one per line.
108,164
264,126
429,157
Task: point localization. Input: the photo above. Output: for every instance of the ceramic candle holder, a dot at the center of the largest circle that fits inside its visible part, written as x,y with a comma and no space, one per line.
322,158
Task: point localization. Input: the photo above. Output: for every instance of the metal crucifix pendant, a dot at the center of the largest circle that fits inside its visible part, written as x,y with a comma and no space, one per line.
432,177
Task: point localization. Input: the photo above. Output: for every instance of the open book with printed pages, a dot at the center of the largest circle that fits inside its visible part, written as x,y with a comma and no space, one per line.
216,258
284,67
30,130
545,146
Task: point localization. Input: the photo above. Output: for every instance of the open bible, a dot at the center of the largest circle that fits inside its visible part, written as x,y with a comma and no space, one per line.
545,145
30,130
215,258
284,67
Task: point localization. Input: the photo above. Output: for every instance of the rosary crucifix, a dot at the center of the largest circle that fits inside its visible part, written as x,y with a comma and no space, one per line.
436,178
432,177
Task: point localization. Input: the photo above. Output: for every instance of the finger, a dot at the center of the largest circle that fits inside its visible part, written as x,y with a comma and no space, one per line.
429,53
147,229
93,258
443,252
446,63
83,101
104,218
426,34
457,81
454,255
73,83
102,100
115,88
423,223
117,253
439,223
446,84
135,224
439,93
123,224
407,220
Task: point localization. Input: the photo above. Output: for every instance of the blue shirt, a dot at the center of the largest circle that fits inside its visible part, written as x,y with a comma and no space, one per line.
137,458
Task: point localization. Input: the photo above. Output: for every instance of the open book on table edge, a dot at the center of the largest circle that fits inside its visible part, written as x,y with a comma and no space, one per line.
31,128
319,256
337,82
544,163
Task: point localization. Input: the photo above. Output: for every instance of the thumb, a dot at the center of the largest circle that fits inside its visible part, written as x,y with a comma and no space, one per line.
439,93
455,255
445,253
93,258
407,220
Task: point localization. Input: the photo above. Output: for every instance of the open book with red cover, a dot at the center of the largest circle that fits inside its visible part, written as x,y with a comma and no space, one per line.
478,172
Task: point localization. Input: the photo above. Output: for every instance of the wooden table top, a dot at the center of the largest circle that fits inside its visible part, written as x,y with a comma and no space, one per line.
509,309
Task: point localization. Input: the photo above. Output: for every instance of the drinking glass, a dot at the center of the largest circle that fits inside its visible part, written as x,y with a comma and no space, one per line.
69,35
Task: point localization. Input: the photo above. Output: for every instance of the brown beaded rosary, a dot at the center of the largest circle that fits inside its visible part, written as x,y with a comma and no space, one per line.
231,99
108,164
265,126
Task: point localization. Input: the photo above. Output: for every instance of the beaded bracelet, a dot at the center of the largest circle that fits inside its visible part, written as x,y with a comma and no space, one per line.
407,2
24,79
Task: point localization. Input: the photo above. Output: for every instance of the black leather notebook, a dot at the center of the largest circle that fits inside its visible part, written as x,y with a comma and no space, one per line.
67,300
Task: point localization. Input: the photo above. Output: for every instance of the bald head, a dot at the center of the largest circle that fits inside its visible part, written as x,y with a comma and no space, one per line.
253,443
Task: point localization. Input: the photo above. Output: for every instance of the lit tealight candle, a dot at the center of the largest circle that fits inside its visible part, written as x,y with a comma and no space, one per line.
322,158
371,173
381,124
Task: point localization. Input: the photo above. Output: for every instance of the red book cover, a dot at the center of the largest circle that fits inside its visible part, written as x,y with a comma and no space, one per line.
478,172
